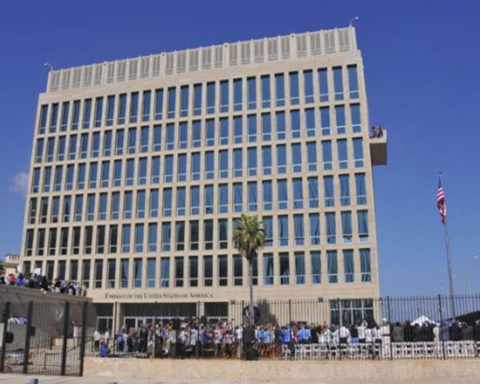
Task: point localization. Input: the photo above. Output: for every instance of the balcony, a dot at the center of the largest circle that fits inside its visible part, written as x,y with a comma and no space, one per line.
378,147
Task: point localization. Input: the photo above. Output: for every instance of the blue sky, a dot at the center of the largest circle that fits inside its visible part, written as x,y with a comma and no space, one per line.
421,62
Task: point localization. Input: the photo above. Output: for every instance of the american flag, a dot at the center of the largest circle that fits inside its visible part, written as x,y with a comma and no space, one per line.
442,208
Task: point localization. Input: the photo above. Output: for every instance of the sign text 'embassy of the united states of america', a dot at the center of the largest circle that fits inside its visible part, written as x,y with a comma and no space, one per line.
153,295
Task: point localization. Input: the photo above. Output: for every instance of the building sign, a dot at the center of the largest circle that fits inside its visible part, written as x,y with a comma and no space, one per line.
157,296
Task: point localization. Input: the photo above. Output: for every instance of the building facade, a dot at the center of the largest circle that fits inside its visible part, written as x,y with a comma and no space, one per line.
141,166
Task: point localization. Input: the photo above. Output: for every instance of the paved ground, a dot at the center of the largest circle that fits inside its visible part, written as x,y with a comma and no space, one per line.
18,379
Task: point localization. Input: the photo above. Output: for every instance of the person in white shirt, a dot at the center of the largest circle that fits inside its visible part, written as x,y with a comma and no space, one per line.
361,332
96,340
344,334
239,341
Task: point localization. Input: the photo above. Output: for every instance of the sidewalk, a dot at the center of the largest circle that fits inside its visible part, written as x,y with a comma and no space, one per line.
20,379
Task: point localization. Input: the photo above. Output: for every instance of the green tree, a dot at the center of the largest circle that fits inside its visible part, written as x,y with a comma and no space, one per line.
249,237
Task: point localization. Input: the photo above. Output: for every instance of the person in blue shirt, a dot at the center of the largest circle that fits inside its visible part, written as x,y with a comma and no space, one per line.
103,350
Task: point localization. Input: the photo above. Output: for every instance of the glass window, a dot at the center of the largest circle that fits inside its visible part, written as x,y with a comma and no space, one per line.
65,114
252,161
181,201
281,127
281,159
347,226
110,110
209,199
158,104
329,191
93,175
353,81
284,269
342,154
314,219
208,234
179,271
182,168
362,220
184,100
358,152
166,236
98,268
124,272
252,92
238,129
87,113
140,204
224,131
224,96
308,86
237,95
72,147
43,119
207,271
98,111
180,236
194,235
151,269
115,206
137,273
223,234
299,229
327,155
310,122
197,99
167,202
361,188
282,191
300,268
325,120
297,193
356,118
146,106
223,198
338,83
132,140
252,128
210,98
54,118
209,165
210,133
144,139
165,272
266,127
238,162
103,207
295,124
195,166
39,150
267,160
268,275
252,196
168,173
323,84
172,96
126,238
170,141
296,158
122,109
340,117
265,91
315,259
283,230
155,170
142,171
107,143
134,107
348,266
130,172
332,266
195,200
365,265
237,197
139,236
152,237
312,156
280,89
344,190
268,228
127,205
237,270
120,142
76,115
154,201
331,228
193,271
294,88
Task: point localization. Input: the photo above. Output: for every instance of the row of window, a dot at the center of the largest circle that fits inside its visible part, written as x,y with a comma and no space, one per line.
210,165
281,230
282,194
212,97
195,135
209,271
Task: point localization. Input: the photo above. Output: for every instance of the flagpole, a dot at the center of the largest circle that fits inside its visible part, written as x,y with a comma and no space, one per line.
449,265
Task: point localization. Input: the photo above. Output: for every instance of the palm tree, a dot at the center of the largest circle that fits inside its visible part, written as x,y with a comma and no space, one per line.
249,237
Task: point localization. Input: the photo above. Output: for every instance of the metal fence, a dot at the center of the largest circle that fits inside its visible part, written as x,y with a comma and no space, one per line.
384,328
46,338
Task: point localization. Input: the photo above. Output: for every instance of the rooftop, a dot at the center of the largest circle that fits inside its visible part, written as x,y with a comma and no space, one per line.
244,53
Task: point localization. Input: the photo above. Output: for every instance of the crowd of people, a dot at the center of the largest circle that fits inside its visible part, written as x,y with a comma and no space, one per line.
377,131
42,283
224,340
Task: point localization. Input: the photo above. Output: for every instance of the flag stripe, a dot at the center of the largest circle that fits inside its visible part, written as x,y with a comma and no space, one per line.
442,207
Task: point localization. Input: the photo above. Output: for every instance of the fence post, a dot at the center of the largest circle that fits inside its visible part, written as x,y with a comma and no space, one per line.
114,329
83,341
390,327
440,310
6,316
66,321
28,335
289,311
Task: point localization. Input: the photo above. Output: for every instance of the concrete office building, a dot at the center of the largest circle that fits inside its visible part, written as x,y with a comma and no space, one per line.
140,167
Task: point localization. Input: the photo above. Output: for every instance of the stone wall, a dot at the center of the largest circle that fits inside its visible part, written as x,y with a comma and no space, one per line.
282,370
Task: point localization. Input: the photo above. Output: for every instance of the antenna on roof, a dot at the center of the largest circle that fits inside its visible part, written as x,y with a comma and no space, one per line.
49,66
356,18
